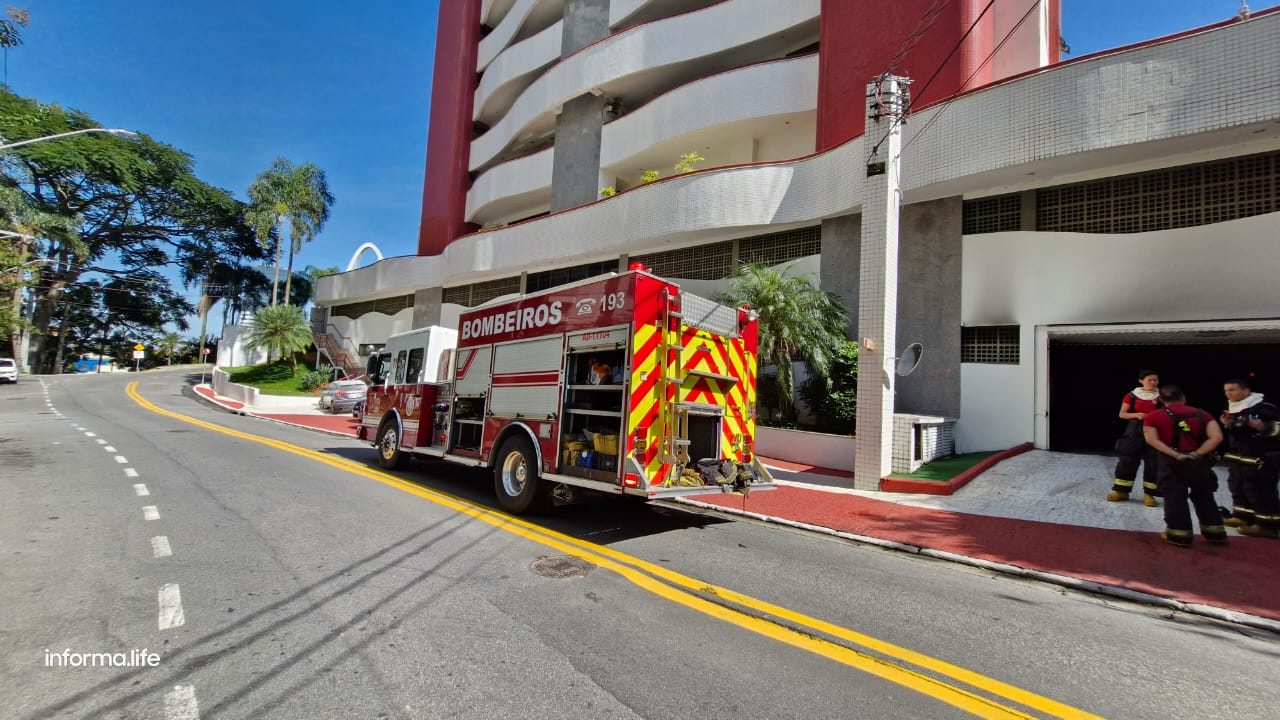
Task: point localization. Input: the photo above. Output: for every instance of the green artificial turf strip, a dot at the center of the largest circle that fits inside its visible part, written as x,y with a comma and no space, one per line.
943,470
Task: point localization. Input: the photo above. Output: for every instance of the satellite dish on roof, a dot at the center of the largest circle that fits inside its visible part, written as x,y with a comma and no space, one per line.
909,359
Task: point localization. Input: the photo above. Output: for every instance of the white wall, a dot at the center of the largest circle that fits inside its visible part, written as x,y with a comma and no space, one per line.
1224,271
372,327
233,353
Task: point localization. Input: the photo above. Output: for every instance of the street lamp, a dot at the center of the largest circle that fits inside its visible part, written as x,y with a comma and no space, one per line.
112,131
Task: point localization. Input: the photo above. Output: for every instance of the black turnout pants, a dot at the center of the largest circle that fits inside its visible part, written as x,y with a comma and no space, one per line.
1183,480
1134,451
1237,475
1260,485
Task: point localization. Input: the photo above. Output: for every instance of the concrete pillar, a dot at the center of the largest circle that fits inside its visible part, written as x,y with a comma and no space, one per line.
929,270
575,170
585,21
878,293
575,174
426,306
838,272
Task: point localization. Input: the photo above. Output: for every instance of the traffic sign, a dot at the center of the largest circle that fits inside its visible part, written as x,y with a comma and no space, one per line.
204,351
139,347
139,354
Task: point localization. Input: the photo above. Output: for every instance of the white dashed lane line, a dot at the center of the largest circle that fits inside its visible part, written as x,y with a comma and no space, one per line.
150,512
180,703
141,490
109,449
170,607
100,441
89,434
130,472
122,460
160,547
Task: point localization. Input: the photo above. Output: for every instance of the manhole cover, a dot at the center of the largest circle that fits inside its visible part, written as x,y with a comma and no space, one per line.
562,566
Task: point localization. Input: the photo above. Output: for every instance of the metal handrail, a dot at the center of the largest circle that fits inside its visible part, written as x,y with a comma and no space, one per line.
331,329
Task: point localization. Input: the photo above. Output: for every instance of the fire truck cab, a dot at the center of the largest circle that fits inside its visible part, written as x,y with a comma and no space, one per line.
619,384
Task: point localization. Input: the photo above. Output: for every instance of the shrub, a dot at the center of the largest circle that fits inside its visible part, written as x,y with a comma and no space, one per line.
835,399
315,378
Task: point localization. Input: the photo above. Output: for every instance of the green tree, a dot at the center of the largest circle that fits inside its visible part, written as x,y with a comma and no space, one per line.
136,205
797,322
298,195
280,330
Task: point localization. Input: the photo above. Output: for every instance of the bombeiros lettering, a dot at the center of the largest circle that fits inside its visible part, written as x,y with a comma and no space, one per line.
516,320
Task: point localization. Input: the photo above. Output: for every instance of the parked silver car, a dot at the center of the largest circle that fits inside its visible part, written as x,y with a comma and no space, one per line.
8,370
341,396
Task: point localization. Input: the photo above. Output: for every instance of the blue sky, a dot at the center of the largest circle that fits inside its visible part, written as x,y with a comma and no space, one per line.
238,82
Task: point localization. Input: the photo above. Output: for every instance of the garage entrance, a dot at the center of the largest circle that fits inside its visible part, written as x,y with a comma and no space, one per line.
1089,373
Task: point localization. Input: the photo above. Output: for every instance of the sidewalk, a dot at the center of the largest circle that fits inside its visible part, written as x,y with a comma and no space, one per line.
1040,514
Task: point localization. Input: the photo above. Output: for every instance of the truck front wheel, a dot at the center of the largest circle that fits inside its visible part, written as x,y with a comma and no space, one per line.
516,481
389,454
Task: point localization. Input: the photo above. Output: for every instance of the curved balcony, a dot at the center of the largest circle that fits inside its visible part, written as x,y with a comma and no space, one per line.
492,11
512,70
642,61
753,106
524,13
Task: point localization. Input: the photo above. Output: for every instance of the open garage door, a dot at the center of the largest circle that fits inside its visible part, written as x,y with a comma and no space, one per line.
1091,368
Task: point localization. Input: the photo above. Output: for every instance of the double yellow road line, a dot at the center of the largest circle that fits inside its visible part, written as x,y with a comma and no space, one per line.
938,679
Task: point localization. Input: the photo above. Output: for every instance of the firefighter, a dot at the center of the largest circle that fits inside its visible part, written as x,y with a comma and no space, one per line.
1137,403
1251,473
1184,437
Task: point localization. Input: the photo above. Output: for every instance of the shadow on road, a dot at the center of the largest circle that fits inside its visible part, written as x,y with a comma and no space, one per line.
597,518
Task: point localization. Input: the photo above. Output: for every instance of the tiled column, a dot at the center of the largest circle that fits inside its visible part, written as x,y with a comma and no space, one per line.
878,297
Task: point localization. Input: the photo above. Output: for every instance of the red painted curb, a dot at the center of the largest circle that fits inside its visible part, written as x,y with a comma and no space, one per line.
926,487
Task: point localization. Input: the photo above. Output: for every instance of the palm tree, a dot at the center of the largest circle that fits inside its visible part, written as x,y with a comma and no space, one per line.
280,330
170,342
11,33
797,321
296,194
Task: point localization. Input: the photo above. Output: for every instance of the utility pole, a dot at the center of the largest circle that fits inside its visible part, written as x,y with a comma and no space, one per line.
204,322
887,104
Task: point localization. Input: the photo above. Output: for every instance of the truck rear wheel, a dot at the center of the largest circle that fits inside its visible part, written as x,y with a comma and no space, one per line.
516,481
390,456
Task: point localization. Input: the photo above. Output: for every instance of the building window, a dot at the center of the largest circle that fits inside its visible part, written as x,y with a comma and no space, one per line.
778,248
563,276
1177,197
480,293
989,344
1001,213
386,306
703,262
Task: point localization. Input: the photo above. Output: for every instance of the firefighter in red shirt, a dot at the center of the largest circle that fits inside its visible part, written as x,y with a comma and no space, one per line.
1133,451
1185,436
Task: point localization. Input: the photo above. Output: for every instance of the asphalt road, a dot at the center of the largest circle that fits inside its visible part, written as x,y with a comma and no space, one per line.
289,578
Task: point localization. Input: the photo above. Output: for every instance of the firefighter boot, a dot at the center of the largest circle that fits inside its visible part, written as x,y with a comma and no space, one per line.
1177,538
1117,496
1259,531
1149,500
1214,534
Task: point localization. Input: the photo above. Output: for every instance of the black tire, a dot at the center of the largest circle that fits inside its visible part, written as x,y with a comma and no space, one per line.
516,481
390,456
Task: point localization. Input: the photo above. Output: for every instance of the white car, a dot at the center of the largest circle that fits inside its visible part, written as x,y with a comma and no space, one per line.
8,370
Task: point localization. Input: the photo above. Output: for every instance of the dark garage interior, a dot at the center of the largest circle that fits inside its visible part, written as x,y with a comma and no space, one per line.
1088,380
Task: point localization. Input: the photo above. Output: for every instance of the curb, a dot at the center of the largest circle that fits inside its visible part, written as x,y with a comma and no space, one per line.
1208,611
927,487
190,391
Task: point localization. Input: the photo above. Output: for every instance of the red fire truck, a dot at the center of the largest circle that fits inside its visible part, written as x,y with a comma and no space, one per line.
619,384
